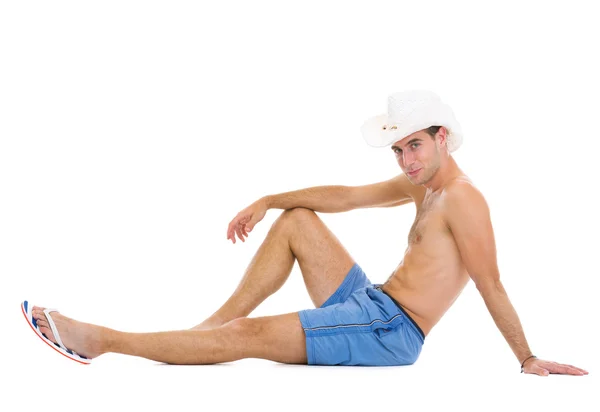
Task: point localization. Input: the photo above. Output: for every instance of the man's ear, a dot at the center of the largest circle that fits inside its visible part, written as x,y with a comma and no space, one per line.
443,136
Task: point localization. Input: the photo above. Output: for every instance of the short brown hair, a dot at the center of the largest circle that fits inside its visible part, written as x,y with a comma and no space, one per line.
431,131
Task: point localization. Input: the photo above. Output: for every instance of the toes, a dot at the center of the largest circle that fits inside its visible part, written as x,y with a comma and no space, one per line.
47,332
38,313
44,327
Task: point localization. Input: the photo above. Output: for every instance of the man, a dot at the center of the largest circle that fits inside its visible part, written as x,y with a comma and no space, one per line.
354,322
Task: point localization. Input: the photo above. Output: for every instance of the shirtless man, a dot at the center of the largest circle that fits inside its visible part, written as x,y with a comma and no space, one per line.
354,322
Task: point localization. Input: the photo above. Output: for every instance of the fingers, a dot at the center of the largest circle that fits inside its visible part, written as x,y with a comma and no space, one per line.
544,368
242,232
579,369
232,228
241,225
565,369
238,226
238,230
230,231
539,370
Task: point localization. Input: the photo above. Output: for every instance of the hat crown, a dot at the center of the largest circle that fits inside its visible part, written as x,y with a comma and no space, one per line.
402,104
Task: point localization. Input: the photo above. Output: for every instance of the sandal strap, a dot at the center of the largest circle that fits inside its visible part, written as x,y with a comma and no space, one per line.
53,327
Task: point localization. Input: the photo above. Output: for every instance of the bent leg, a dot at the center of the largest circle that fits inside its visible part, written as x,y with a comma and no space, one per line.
297,235
324,262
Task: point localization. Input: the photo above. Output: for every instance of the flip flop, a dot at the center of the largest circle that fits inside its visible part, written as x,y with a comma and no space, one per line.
27,309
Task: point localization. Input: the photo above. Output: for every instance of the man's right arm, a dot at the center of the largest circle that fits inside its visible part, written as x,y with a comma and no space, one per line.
327,199
333,199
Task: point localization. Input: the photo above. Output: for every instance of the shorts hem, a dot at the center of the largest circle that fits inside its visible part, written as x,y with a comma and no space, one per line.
341,290
309,341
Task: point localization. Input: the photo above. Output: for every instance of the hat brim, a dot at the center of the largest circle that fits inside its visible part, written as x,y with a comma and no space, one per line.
373,132
377,132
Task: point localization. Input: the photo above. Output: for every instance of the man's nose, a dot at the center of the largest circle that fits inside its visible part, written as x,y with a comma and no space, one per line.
408,158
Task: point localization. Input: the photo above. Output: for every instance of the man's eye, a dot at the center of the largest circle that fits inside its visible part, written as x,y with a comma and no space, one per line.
414,146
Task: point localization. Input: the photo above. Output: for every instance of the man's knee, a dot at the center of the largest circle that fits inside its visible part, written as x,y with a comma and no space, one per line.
243,326
279,338
250,333
296,216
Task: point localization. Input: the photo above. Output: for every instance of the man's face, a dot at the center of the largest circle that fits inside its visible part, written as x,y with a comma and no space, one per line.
418,153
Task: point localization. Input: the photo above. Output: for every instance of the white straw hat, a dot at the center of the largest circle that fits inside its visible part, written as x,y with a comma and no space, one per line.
408,112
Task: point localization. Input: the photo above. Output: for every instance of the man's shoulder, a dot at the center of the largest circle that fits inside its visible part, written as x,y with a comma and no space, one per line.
461,193
460,185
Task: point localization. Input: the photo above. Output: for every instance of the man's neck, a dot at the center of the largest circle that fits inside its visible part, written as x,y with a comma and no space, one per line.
448,171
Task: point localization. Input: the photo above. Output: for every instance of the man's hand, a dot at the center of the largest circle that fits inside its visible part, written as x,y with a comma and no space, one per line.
544,368
245,221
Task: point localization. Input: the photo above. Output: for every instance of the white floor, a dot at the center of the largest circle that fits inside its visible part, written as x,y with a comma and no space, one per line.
47,382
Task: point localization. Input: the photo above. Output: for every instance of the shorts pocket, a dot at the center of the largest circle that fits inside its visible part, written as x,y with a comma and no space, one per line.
385,328
386,331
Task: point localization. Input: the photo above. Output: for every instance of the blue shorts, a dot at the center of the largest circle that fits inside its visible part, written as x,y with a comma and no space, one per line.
360,325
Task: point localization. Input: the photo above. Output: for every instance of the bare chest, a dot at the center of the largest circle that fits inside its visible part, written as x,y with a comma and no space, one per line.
429,225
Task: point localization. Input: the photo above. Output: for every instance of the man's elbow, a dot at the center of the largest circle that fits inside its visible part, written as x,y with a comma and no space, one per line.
489,284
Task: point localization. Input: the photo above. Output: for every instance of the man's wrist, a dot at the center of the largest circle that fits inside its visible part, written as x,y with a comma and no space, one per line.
268,201
527,359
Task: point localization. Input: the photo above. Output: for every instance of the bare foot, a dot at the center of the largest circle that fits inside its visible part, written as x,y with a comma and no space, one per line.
83,338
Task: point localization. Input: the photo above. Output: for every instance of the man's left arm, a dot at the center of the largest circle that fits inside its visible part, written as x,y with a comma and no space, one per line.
468,218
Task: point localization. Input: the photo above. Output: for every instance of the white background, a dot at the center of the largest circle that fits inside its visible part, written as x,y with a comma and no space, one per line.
133,132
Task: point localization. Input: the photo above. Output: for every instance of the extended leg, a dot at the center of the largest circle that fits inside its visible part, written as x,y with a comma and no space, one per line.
297,234
278,338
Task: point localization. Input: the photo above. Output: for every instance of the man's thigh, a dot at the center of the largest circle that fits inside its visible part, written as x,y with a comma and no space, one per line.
323,260
355,279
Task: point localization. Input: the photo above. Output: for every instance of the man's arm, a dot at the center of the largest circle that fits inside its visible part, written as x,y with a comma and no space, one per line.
327,199
333,199
468,218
